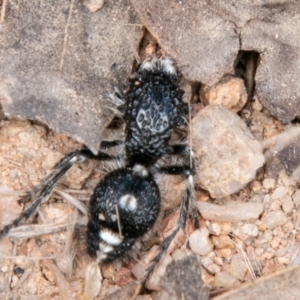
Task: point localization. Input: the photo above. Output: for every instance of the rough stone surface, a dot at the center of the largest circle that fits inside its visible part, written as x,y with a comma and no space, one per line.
59,61
238,268
290,156
194,50
209,36
229,92
232,211
183,280
224,279
227,153
284,285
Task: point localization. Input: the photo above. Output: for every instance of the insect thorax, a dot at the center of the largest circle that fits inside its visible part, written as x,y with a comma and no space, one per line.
154,109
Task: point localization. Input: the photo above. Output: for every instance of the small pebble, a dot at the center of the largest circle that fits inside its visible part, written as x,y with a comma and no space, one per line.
287,204
222,241
210,266
267,199
282,251
274,218
224,279
200,242
285,180
296,198
283,260
279,192
14,281
275,205
215,229
238,268
255,186
4,269
240,234
226,252
268,235
256,105
270,253
275,242
250,229
269,183
93,5
218,261
259,251
269,267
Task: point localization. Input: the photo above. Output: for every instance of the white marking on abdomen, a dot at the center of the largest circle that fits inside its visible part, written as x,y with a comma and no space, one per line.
128,201
110,237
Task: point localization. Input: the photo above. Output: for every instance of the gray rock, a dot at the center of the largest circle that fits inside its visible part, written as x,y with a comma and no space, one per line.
232,211
59,62
210,34
224,279
183,280
282,285
274,218
227,153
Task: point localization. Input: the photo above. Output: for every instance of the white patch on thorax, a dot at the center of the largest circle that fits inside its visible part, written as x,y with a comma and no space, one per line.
167,65
149,65
129,202
140,170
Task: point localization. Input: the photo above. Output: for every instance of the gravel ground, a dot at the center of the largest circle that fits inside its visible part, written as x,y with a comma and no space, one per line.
52,266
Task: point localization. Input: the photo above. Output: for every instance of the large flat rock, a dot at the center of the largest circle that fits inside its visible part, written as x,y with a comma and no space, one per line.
59,61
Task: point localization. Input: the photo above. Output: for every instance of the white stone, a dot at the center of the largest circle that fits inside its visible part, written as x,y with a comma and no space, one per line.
250,229
200,242
227,152
215,228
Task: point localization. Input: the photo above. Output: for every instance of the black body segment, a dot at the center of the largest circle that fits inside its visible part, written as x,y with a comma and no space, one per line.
124,204
154,108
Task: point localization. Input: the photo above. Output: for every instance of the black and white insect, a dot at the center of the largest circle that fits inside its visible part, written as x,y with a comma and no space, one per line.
126,202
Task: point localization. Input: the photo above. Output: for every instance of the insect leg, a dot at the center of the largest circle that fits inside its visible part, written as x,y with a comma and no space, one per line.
187,204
